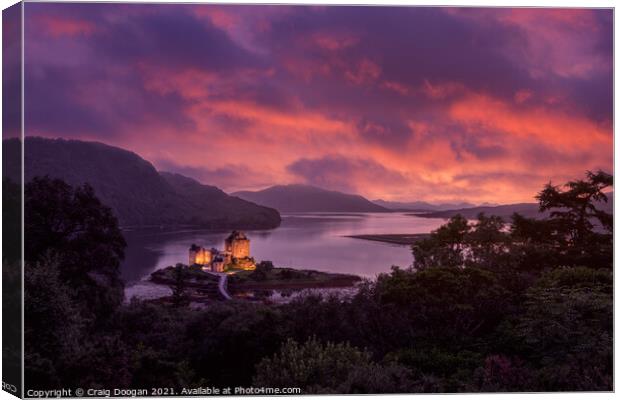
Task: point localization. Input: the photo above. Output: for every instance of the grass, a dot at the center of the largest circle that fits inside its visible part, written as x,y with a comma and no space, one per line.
274,278
288,275
192,273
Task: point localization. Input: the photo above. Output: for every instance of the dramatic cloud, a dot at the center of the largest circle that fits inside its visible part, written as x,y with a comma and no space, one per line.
353,175
402,103
11,72
227,176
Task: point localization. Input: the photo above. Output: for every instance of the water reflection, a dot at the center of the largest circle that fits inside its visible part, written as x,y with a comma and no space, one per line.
310,241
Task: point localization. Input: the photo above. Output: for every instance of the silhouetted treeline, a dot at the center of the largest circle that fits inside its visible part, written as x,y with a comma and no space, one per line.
487,306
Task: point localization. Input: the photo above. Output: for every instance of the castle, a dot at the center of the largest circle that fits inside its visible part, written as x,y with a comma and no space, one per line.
236,255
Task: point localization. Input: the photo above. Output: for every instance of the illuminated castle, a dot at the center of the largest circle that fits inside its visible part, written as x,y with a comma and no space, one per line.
238,245
236,255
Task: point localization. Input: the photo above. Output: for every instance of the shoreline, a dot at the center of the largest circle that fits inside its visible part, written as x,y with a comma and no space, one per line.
286,279
332,283
405,239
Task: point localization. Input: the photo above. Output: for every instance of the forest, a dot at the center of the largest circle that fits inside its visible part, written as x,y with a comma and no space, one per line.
489,305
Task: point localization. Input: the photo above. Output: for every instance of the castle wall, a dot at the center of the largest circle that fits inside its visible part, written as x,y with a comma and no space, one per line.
204,257
238,245
236,249
217,266
240,248
200,256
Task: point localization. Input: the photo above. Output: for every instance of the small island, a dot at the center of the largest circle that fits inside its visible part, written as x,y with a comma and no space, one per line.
212,274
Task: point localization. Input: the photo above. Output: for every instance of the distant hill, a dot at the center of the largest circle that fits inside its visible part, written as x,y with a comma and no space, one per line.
529,210
505,211
304,198
132,187
422,205
235,211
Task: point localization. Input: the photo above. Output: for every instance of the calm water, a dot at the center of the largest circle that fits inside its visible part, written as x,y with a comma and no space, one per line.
308,241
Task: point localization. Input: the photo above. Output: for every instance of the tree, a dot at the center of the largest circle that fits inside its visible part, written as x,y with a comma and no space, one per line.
444,247
582,228
535,244
11,279
11,221
503,374
578,204
312,366
526,230
266,266
486,242
568,237
459,243
445,305
53,328
73,248
229,339
73,226
262,270
567,328
450,370
380,378
179,288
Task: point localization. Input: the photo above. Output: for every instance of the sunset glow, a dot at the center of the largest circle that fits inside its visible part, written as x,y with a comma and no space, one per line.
400,103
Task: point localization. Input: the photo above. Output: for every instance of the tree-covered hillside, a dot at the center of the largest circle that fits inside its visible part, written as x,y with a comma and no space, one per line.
132,187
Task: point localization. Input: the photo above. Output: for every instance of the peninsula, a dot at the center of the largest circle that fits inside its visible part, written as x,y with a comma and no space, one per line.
393,238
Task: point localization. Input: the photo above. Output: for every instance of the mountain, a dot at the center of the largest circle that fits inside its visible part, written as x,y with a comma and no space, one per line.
138,194
304,198
505,211
421,205
238,212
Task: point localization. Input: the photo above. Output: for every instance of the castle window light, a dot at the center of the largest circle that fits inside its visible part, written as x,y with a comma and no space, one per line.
236,254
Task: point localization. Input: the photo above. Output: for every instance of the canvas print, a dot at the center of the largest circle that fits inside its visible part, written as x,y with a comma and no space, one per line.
297,199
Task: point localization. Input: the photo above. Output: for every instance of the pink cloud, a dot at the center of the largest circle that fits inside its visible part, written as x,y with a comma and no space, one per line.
63,26
523,95
441,90
320,88
558,40
334,41
553,127
366,71
396,87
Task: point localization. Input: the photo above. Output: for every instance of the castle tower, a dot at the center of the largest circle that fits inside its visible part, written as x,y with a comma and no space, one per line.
193,252
238,245
204,257
199,255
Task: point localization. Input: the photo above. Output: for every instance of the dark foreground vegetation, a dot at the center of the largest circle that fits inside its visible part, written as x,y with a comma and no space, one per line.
489,306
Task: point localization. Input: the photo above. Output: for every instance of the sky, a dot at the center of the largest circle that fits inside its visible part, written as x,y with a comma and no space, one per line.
398,103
